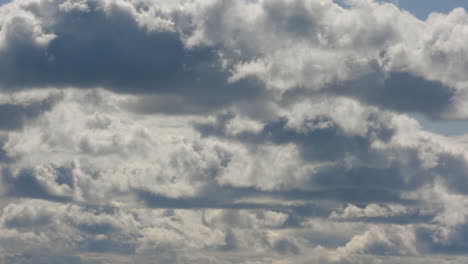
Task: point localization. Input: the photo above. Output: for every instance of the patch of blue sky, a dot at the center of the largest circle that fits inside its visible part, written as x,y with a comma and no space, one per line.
422,8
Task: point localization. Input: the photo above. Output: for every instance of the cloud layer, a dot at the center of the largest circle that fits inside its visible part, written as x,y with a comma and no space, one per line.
277,131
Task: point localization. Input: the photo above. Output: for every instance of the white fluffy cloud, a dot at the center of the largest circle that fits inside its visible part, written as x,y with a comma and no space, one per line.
275,131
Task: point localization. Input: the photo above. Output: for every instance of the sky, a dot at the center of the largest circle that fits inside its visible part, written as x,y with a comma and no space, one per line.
233,132
422,8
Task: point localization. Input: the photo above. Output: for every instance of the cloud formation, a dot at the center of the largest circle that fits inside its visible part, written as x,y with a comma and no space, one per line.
277,131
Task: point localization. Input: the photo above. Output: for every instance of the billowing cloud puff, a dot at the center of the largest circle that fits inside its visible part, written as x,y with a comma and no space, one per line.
277,131
177,48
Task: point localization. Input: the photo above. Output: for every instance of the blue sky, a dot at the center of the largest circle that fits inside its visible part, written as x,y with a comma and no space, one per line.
421,8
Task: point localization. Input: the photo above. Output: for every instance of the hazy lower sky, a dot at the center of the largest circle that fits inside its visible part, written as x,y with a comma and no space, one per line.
233,132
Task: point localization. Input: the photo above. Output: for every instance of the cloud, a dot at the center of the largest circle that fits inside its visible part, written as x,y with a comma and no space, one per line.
319,147
277,131
307,47
391,213
28,184
87,51
175,49
102,157
108,169
17,110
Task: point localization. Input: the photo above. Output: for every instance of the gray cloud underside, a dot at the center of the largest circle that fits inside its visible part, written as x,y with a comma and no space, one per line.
197,50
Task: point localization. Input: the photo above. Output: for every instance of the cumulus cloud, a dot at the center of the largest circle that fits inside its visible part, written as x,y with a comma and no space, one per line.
319,46
80,44
216,48
277,131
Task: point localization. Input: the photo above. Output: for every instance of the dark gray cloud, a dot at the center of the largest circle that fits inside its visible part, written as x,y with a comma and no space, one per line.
324,140
309,205
24,223
43,256
433,240
14,116
109,245
26,184
90,51
3,154
453,170
94,48
286,247
402,92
